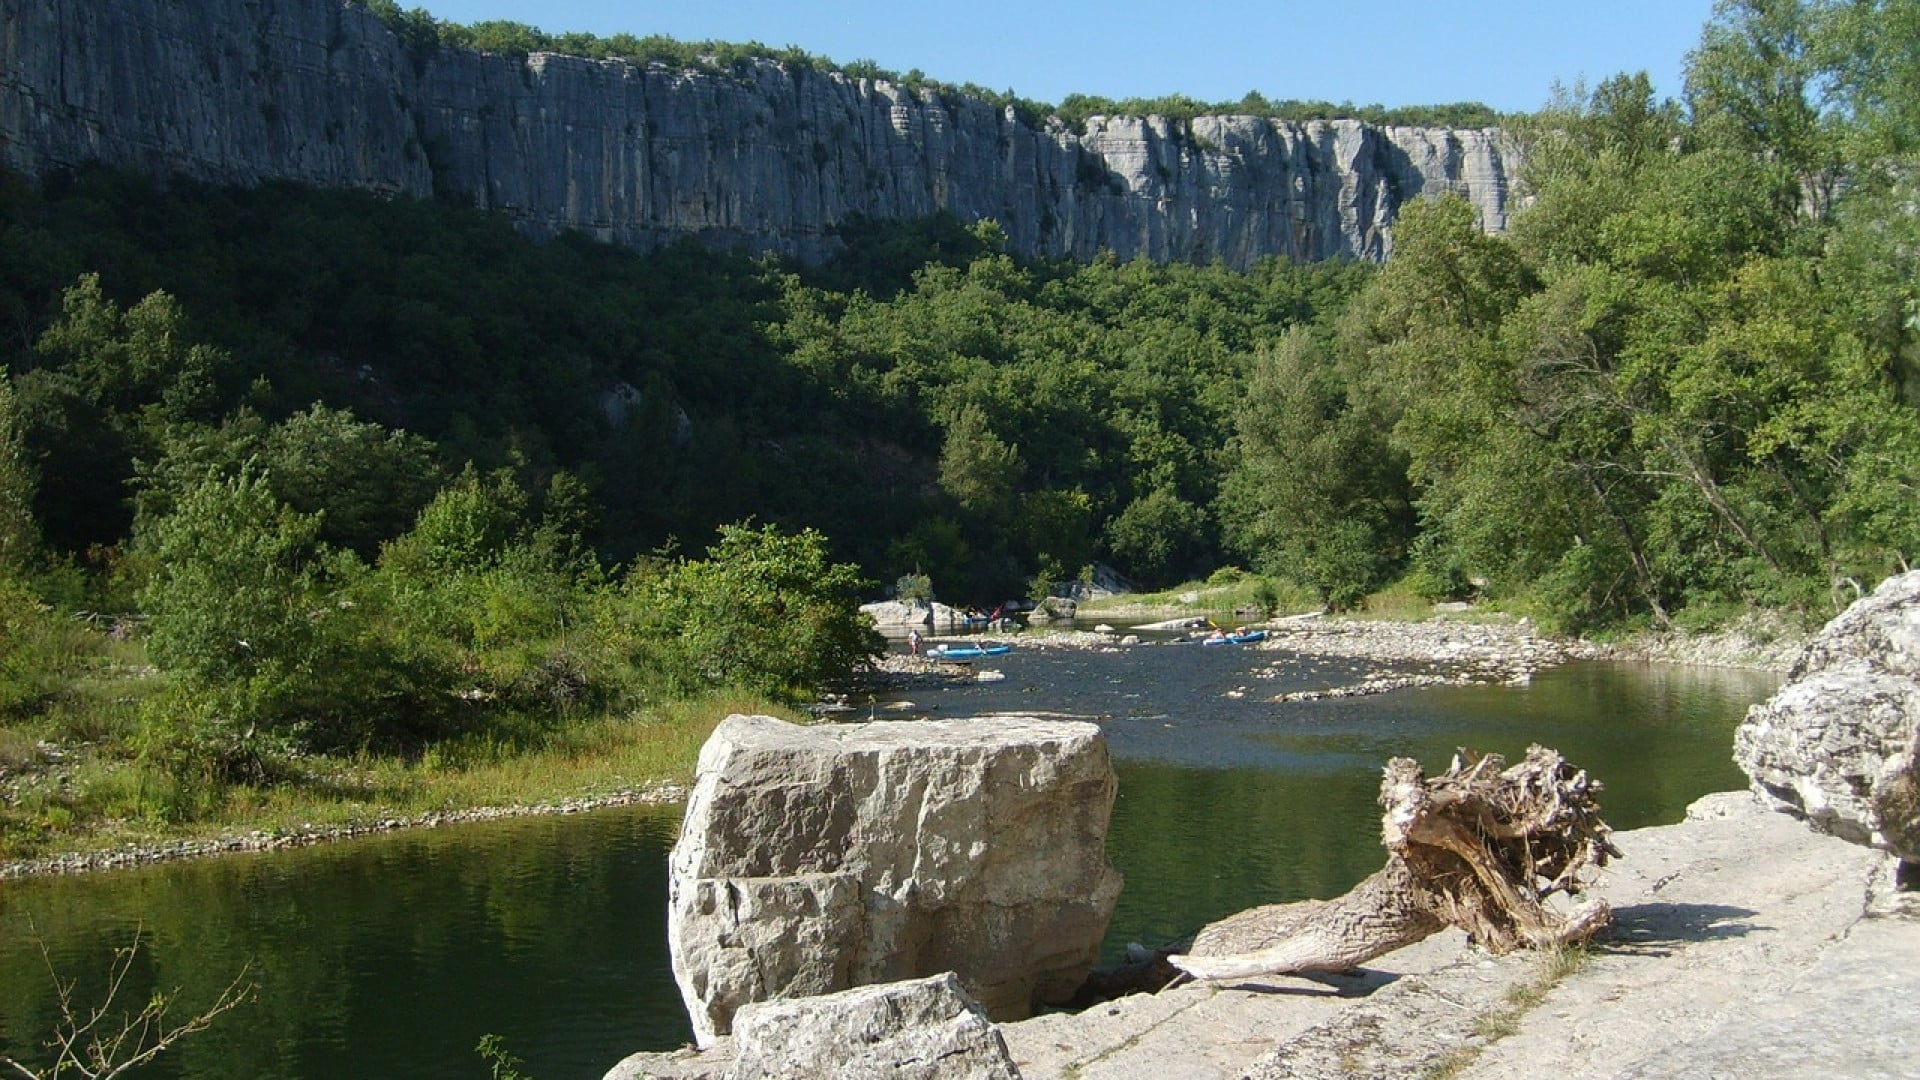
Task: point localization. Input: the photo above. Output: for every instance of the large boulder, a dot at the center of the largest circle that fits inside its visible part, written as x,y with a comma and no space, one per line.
814,859
1837,743
916,615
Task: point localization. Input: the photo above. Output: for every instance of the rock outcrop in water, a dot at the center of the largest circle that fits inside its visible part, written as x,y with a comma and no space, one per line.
814,859
320,92
1840,744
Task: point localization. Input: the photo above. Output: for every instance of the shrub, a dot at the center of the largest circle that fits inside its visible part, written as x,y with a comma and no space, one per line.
29,659
765,611
915,586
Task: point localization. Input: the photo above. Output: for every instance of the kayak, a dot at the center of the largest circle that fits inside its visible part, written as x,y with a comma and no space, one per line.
968,652
1238,637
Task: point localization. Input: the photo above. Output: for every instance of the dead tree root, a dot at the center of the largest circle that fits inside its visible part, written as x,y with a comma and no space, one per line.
1480,847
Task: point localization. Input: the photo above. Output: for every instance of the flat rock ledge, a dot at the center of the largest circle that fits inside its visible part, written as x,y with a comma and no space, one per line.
1800,962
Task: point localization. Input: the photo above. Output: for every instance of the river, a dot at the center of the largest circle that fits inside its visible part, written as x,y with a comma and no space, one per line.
391,956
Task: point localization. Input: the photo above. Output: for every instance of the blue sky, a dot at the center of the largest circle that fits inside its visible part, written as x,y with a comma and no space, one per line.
1506,53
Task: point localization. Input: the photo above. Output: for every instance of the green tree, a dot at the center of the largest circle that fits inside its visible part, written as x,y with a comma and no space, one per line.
979,470
1057,525
913,587
253,616
366,481
240,579
470,525
1755,83
765,611
1872,73
1316,495
111,386
936,546
144,357
1158,537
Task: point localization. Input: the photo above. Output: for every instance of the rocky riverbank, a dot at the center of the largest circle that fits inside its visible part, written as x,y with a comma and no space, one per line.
1397,655
1403,655
1741,941
1717,964
1763,642
1394,654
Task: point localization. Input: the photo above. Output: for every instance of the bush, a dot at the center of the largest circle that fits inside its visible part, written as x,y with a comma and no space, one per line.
1158,536
1436,573
237,582
205,741
1266,598
30,661
915,586
765,612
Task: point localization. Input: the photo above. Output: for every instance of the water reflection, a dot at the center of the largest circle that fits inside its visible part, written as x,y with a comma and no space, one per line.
384,957
392,956
1200,843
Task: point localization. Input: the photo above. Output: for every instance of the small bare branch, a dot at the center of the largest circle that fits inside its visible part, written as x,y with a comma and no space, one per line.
85,1040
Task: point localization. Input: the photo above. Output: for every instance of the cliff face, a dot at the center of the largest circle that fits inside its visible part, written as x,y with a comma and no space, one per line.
318,91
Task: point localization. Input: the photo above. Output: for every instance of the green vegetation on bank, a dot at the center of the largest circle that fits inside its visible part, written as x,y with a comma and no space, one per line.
106,794
291,479
1229,593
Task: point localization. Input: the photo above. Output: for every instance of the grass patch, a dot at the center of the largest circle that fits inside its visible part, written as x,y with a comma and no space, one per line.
97,798
1403,601
1397,602
18,749
1499,1023
1451,1064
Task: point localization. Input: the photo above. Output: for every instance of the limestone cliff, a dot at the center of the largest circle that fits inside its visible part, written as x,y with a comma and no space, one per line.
318,91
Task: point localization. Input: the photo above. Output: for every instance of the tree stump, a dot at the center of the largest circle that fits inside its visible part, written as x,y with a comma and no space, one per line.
1481,847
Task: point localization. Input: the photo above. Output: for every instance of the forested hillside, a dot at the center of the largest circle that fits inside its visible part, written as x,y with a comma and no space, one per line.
377,473
927,402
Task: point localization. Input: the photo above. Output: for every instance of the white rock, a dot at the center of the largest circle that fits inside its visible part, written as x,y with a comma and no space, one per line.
924,1029
813,859
1839,744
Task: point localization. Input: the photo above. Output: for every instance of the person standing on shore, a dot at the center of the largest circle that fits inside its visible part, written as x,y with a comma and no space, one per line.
913,642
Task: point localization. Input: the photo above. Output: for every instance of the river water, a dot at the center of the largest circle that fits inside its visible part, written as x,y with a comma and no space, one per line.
391,956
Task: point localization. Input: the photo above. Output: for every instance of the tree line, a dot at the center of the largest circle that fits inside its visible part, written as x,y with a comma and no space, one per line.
421,34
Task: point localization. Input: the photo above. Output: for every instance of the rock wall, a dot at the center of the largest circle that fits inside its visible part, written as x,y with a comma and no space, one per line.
318,91
240,93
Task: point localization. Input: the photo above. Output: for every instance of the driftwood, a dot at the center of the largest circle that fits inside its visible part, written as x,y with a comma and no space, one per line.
1480,847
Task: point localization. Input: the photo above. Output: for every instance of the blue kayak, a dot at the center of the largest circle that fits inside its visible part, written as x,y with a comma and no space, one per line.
968,652
1238,637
